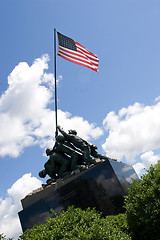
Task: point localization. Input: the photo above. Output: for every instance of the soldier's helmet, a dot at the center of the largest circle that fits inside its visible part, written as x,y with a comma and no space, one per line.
74,132
48,151
60,138
93,146
42,174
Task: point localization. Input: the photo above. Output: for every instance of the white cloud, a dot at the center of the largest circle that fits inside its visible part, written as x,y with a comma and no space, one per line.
25,118
157,99
139,167
23,105
132,132
11,205
83,127
147,159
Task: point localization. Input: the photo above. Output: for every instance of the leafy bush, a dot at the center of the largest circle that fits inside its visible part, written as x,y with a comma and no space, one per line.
80,224
143,205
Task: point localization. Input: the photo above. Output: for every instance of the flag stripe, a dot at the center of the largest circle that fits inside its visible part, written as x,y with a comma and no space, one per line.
77,60
73,56
80,63
76,55
85,50
75,52
88,56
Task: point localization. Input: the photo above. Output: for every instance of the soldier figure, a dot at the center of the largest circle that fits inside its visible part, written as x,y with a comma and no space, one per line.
76,156
69,153
58,165
78,142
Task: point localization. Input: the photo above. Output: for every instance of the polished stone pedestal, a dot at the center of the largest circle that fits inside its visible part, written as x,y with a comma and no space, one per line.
102,186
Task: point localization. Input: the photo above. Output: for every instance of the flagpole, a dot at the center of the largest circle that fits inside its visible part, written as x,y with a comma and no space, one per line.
55,78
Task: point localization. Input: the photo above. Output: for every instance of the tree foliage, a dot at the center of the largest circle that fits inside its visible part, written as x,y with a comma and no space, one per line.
142,217
143,205
80,224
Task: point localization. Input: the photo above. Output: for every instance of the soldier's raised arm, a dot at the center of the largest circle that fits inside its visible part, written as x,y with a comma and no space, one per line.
67,137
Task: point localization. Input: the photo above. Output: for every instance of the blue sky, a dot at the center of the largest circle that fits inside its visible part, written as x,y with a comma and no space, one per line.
117,109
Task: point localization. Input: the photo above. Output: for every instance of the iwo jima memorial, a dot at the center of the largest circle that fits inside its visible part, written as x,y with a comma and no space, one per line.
79,175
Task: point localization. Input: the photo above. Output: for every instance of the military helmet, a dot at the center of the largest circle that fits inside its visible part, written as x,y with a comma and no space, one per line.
42,174
48,150
60,138
74,132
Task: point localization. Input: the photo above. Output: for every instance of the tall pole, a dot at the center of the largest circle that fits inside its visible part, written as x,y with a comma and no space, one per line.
55,78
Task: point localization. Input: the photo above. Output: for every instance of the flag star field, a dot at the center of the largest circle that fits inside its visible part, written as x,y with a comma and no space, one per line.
66,42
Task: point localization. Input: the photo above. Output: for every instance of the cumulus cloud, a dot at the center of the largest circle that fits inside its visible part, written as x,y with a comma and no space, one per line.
23,105
83,127
147,159
25,116
133,132
139,168
10,206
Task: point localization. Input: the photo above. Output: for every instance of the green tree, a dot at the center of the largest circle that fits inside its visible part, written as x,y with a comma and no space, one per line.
78,224
143,205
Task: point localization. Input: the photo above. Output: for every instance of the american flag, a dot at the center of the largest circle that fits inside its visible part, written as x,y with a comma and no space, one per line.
76,53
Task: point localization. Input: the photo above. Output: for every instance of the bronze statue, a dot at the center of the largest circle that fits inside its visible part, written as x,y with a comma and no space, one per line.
76,156
78,142
69,153
57,166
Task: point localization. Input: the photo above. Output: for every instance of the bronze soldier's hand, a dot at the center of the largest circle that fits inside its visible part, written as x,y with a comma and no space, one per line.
59,128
